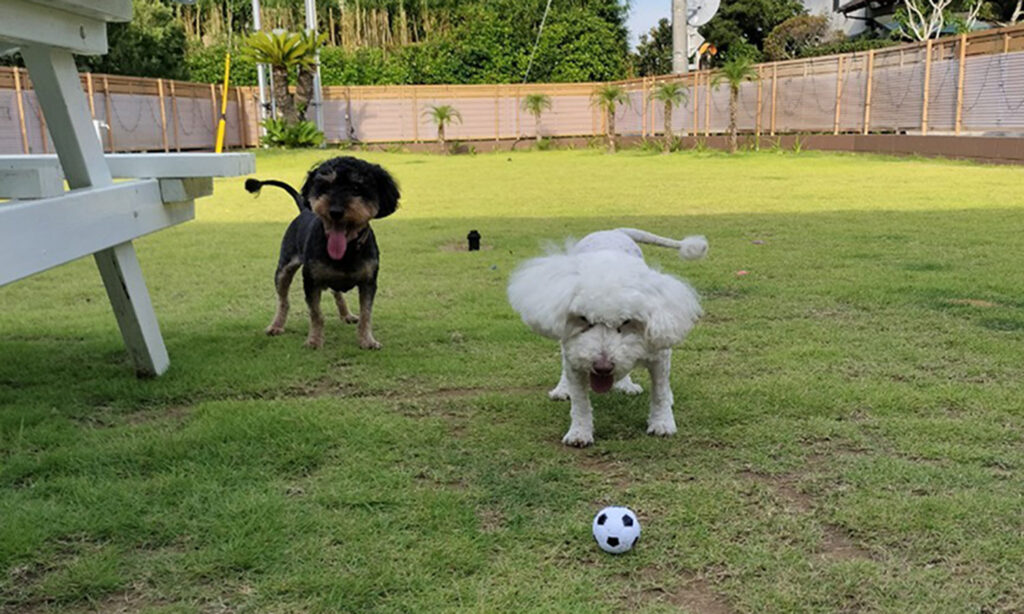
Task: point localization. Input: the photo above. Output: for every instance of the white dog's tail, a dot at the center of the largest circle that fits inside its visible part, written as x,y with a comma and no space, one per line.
691,248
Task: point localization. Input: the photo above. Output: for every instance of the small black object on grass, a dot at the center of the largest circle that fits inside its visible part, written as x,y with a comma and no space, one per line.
474,240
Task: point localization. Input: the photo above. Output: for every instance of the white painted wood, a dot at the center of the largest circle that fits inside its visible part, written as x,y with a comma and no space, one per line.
122,277
38,235
183,190
152,166
104,10
43,182
29,23
59,92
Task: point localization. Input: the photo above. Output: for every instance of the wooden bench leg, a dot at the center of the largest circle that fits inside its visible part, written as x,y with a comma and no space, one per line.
122,276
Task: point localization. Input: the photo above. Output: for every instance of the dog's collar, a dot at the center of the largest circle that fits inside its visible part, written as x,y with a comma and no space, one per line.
362,236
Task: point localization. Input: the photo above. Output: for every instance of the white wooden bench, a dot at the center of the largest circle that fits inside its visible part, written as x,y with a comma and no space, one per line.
47,226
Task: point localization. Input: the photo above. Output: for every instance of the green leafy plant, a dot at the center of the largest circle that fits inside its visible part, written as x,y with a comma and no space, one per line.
535,105
735,72
608,97
671,94
798,144
545,144
442,115
281,133
283,51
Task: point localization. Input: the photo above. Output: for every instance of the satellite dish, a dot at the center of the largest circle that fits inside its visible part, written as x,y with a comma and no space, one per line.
699,12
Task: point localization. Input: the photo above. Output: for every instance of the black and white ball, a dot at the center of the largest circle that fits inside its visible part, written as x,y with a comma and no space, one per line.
616,529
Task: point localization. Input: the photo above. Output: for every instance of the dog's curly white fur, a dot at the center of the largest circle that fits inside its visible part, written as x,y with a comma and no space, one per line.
611,313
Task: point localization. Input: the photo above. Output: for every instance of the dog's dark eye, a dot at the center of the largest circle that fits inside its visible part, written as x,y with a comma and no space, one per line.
587,324
624,325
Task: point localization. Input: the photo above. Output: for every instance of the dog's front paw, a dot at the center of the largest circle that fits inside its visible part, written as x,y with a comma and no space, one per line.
274,330
314,343
662,428
370,344
578,438
559,393
628,387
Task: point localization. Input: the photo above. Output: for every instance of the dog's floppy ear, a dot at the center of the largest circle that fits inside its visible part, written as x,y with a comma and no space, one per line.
541,290
671,309
387,191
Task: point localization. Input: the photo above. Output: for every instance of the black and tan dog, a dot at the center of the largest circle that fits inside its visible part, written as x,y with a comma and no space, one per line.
331,240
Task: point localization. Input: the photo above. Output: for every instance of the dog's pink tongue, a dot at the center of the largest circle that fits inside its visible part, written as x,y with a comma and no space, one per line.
601,383
336,244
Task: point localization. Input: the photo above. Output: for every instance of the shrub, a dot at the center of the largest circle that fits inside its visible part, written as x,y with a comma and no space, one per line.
280,133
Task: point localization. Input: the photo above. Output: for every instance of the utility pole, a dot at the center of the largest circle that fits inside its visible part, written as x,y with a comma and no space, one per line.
317,93
261,74
680,42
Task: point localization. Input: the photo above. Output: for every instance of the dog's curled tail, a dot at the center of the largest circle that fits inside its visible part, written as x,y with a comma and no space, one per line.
254,186
693,247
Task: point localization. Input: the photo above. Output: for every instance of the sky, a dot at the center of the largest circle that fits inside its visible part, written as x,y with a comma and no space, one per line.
644,15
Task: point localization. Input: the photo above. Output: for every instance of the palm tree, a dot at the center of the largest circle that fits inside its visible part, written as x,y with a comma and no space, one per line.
673,95
442,115
283,51
535,104
607,98
735,72
307,70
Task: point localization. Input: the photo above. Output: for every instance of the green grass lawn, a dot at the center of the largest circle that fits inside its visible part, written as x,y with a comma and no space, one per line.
851,431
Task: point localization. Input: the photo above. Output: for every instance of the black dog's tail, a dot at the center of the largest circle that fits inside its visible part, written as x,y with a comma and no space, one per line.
254,185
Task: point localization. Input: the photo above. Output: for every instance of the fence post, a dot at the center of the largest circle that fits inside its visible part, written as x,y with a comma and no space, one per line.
643,107
243,138
42,126
757,119
1006,43
960,84
497,112
707,105
927,80
519,93
839,94
21,108
110,116
213,107
775,81
174,116
163,113
88,87
867,92
696,102
415,116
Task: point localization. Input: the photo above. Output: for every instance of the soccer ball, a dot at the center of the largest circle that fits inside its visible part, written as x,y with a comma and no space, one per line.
616,529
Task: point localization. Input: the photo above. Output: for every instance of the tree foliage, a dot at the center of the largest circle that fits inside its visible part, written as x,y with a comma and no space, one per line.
653,54
740,26
151,45
791,38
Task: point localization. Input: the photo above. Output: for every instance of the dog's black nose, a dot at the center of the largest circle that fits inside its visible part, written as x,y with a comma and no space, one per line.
603,367
337,215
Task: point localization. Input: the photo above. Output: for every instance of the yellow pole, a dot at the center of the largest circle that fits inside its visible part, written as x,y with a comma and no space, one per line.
222,123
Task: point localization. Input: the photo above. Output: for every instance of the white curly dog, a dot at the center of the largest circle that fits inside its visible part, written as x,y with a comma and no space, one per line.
611,313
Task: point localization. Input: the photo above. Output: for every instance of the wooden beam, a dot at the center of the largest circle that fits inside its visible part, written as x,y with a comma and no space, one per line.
214,113
960,84
415,116
497,112
867,91
163,114
21,109
927,85
839,94
643,107
775,80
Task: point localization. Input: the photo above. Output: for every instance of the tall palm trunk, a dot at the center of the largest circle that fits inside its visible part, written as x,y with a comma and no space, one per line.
668,126
285,103
536,126
611,130
734,94
304,91
440,138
